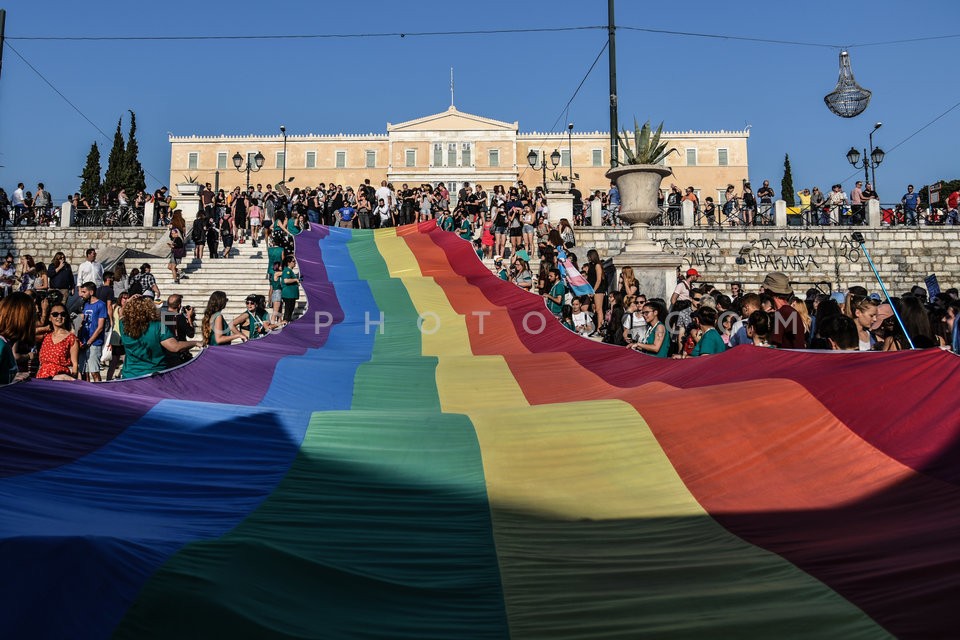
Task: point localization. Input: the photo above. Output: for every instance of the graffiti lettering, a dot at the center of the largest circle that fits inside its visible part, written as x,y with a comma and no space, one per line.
773,262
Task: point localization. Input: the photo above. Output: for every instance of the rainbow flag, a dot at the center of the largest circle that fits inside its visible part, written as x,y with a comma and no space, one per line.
428,454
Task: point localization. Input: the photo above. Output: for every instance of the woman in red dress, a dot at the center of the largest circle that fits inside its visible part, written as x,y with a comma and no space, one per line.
59,352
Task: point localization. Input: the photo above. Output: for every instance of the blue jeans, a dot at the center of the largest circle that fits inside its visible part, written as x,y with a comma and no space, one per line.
911,215
313,216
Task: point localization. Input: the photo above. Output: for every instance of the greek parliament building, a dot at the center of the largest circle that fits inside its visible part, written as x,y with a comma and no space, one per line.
452,147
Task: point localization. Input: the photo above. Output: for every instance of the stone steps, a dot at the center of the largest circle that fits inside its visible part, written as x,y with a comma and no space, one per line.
245,272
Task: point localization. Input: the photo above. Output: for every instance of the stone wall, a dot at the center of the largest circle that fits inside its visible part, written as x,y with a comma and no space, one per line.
43,242
808,256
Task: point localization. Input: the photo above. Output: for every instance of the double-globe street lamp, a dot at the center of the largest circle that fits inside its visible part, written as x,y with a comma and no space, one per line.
870,162
255,166
532,158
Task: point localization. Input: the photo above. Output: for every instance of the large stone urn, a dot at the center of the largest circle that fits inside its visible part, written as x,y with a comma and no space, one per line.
656,271
638,185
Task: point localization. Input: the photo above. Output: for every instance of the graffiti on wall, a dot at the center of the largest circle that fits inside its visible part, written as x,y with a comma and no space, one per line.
787,252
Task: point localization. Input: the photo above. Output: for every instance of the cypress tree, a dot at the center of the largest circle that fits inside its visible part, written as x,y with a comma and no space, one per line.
134,180
115,175
90,187
786,185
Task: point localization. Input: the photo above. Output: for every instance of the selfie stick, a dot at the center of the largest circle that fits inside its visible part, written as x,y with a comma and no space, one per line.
858,237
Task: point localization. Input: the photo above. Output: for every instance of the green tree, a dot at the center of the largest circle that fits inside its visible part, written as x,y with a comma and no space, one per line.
786,185
134,179
116,173
90,186
946,188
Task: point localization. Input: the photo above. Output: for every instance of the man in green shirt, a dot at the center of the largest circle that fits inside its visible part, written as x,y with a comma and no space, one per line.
557,290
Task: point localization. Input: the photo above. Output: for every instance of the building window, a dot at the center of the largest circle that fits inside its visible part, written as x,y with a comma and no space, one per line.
281,160
193,159
721,197
411,157
722,158
341,159
371,159
251,155
691,157
565,157
494,155
311,160
466,154
438,154
222,160
451,154
597,155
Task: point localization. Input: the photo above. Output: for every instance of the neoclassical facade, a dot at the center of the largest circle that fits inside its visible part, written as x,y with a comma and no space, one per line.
451,147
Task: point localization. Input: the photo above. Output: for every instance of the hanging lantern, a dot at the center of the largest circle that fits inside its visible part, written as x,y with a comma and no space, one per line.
848,99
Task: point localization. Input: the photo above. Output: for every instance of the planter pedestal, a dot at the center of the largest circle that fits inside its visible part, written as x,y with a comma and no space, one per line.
655,270
559,205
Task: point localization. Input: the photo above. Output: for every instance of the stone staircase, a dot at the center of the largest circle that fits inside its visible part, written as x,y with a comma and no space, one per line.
243,273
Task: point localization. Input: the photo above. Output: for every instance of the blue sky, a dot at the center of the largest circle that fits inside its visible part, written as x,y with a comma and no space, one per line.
357,85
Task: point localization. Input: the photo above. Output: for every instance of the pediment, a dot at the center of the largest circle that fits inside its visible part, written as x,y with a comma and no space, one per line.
453,120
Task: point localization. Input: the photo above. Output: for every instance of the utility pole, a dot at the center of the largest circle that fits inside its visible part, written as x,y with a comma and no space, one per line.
3,22
612,51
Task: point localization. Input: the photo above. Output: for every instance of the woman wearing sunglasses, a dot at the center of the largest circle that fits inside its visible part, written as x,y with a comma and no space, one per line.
59,352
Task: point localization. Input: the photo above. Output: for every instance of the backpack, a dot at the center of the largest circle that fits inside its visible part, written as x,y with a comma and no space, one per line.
198,231
135,288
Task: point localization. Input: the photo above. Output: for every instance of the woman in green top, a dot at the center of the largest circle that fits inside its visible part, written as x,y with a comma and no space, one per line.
710,340
18,323
292,227
147,343
255,321
215,328
290,291
655,342
466,228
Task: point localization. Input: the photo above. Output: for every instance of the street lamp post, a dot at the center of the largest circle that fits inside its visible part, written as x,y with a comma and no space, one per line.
283,130
554,162
870,161
873,169
570,151
256,166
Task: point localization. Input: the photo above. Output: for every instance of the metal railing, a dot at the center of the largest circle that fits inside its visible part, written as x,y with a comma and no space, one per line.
109,217
32,216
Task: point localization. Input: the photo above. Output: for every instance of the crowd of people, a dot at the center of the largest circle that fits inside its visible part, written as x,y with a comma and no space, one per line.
743,207
703,319
65,323
61,322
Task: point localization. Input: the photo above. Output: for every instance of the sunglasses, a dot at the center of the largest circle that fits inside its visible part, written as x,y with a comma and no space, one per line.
58,314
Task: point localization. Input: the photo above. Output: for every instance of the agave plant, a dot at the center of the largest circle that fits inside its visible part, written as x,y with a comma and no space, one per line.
647,148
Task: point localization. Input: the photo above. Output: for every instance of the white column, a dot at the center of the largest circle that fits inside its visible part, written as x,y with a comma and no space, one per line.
148,214
596,213
67,215
874,217
780,213
686,213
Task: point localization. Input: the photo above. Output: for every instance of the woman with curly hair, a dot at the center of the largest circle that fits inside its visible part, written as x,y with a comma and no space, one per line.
215,329
18,323
147,342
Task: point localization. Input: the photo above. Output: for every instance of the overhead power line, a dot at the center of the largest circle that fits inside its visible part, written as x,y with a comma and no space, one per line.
317,36
474,32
